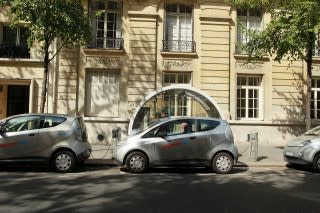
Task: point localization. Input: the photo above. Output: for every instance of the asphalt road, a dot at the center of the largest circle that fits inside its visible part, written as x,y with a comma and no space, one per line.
108,189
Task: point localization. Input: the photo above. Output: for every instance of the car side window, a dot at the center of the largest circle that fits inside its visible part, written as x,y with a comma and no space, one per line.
206,125
177,127
23,123
51,121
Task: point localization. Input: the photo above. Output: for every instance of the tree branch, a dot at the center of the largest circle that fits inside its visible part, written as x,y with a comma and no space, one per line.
57,51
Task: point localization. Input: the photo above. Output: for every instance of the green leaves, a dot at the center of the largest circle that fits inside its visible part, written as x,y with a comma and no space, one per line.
291,32
52,19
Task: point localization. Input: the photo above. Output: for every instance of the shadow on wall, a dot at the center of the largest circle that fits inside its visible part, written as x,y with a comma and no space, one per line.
292,104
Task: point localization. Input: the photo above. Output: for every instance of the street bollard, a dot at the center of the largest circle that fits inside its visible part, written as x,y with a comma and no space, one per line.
253,140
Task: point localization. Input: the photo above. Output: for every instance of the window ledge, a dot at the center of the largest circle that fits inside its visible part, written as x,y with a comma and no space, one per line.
316,58
101,51
21,61
179,54
239,56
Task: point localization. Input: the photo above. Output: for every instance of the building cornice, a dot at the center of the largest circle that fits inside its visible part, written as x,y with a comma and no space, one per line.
21,62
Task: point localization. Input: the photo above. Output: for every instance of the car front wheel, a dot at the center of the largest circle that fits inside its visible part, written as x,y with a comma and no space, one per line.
316,163
136,162
222,163
63,161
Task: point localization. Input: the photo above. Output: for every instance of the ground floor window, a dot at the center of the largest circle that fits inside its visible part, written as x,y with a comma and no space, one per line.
176,104
249,97
315,98
102,93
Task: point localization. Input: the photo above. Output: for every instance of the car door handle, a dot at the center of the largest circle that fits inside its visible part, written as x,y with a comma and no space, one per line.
191,138
31,134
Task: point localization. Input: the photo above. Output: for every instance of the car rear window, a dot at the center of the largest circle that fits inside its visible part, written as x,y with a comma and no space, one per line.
206,125
51,121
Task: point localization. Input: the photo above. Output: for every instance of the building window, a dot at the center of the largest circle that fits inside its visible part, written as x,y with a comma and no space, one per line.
315,99
105,18
248,19
178,104
14,42
178,28
102,93
249,97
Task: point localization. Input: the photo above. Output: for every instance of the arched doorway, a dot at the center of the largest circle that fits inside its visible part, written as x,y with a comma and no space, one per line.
175,100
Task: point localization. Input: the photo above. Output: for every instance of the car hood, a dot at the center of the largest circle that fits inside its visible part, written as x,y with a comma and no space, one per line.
298,140
129,139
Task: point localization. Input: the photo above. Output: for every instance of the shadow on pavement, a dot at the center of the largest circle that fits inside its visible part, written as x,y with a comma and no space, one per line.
46,169
186,170
307,168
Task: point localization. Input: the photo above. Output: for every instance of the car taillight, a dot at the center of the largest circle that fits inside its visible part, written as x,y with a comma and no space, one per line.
229,134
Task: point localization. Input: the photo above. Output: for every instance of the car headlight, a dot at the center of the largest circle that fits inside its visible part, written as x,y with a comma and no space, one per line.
304,143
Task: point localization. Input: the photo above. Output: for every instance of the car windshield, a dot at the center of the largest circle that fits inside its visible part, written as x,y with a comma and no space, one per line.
150,125
315,131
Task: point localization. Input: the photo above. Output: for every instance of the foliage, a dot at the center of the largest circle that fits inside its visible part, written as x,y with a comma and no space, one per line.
50,22
52,19
292,34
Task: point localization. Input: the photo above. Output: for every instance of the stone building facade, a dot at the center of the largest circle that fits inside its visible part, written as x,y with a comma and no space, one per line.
140,46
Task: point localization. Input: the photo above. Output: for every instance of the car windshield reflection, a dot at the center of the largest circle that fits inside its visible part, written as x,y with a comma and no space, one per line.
315,131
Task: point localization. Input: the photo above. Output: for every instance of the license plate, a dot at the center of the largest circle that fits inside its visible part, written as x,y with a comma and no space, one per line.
289,153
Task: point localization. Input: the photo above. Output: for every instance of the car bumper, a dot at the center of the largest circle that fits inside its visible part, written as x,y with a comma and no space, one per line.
297,155
84,155
84,152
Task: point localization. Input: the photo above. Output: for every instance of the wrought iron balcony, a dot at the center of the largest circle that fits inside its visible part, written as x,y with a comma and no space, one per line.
179,46
107,43
14,51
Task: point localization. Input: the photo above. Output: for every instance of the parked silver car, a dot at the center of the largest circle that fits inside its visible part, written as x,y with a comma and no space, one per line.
305,149
56,139
192,141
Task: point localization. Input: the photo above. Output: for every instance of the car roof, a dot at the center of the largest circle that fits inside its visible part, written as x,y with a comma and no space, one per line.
189,117
41,114
173,118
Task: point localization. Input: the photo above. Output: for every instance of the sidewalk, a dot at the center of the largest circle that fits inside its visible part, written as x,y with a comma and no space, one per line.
268,155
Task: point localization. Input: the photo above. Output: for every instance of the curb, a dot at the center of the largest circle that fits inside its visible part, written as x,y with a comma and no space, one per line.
110,163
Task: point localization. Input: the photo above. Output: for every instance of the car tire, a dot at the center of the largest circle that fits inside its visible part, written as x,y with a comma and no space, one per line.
222,163
136,163
316,163
63,161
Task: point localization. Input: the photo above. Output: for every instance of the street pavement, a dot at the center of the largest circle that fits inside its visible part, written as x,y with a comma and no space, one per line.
102,188
267,155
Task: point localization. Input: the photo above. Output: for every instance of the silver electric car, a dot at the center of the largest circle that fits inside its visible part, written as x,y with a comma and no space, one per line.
59,140
305,149
192,141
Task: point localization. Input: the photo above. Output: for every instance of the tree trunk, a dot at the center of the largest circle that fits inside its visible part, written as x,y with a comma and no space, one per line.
44,82
309,81
308,96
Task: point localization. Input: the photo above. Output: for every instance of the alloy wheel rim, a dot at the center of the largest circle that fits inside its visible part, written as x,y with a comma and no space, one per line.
318,163
63,162
137,163
223,163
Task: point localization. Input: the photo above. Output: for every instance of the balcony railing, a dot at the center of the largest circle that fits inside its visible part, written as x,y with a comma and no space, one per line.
14,51
107,43
179,46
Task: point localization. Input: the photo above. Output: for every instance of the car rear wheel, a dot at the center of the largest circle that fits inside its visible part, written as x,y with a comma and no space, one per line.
222,163
63,161
136,162
316,163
